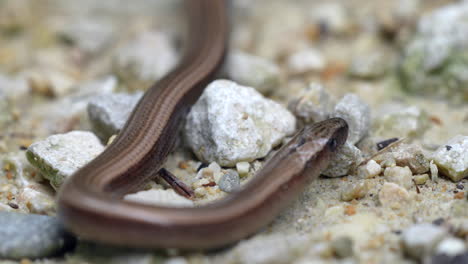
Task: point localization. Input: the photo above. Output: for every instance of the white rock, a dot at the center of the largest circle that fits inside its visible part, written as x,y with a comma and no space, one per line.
344,161
393,196
254,71
231,123
399,175
242,168
59,156
356,113
313,104
148,57
452,158
370,170
306,60
109,112
451,246
420,240
159,197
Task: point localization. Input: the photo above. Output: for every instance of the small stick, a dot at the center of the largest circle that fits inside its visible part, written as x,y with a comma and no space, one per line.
178,186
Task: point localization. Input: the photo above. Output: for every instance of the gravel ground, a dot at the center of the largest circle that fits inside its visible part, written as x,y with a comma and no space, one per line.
404,61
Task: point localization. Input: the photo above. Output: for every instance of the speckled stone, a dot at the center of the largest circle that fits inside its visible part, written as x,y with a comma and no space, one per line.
231,123
452,158
59,156
31,236
230,181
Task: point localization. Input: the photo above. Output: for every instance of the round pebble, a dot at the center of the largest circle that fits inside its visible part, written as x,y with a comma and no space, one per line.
32,236
229,182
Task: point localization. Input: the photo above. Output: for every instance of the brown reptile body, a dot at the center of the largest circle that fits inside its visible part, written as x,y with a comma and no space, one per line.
90,201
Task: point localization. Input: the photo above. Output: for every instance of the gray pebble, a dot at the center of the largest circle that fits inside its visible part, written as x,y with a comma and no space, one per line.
230,181
32,236
108,113
343,247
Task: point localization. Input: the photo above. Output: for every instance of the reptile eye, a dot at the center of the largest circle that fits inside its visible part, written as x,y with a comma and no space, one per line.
332,144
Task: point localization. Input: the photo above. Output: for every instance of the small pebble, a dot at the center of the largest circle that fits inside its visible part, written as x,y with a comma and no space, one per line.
399,175
32,236
342,247
369,170
453,163
451,246
421,179
108,113
230,181
355,191
393,196
59,156
242,168
420,240
356,113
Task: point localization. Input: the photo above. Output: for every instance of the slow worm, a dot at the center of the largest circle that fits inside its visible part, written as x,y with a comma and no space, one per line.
90,204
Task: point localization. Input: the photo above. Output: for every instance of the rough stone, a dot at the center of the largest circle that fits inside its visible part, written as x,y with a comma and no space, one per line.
393,196
399,175
31,236
355,191
231,123
59,156
109,112
452,158
356,113
369,170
